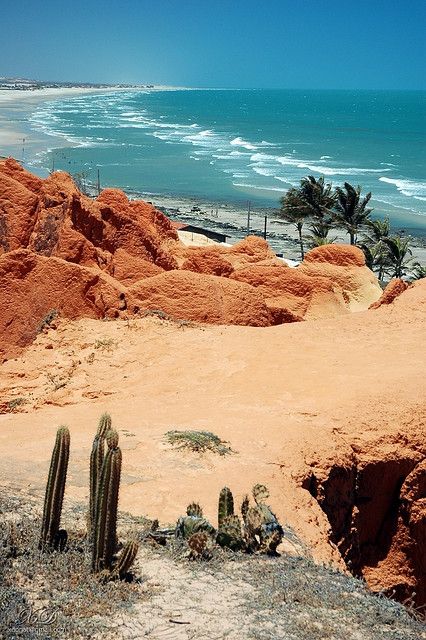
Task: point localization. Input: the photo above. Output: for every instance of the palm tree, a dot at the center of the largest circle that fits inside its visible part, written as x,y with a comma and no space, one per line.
294,213
418,271
373,244
398,252
313,199
317,197
319,234
377,230
350,210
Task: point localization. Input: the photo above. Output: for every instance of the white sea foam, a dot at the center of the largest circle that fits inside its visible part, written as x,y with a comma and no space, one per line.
338,171
239,142
257,187
233,155
240,175
409,188
263,171
290,161
292,183
205,138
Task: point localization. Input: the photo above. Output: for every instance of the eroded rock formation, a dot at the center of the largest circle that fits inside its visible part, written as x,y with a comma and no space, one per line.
376,506
129,249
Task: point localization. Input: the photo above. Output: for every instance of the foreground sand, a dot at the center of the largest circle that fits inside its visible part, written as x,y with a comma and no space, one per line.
295,401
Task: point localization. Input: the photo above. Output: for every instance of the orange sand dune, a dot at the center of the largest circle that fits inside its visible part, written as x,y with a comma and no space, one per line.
329,414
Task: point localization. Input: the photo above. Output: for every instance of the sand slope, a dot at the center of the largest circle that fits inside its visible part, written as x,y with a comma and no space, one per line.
327,412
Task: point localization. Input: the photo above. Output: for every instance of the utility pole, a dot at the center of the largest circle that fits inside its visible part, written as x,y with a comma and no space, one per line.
264,229
248,217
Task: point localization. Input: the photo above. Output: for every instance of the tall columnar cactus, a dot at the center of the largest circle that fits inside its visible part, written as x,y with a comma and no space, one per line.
96,461
104,425
105,531
55,490
226,505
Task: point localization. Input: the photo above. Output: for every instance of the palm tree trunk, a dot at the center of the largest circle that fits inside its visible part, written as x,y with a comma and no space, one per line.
299,228
352,237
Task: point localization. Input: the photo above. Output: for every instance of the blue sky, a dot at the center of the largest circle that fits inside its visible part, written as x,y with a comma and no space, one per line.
370,44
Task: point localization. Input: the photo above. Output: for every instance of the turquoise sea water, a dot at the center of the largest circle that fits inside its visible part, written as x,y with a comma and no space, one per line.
246,145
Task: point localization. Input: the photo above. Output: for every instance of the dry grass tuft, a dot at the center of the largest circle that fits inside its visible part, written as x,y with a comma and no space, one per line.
105,344
198,442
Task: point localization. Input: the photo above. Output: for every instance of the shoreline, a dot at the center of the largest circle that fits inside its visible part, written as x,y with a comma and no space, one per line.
227,217
20,140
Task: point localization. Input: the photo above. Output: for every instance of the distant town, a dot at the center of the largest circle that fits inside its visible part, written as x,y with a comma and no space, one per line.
24,84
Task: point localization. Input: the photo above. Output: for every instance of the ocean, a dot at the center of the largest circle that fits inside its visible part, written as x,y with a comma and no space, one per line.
247,145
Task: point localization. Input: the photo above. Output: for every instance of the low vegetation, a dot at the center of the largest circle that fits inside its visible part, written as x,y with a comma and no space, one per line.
104,344
322,209
198,442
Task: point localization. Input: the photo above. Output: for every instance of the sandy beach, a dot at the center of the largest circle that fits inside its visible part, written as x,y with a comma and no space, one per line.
15,107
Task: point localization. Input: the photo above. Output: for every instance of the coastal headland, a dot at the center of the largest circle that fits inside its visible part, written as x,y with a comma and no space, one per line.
312,376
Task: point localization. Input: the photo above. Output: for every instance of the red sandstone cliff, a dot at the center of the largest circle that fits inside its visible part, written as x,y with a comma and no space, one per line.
109,257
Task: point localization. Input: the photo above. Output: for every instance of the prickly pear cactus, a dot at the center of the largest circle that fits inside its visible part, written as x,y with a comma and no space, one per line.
272,536
194,509
199,545
263,532
260,493
244,508
252,528
229,534
186,526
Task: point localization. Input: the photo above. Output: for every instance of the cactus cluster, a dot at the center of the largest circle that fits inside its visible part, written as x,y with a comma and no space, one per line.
105,472
105,500
258,531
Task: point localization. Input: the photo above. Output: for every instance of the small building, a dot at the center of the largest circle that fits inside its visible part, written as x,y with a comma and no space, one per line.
213,235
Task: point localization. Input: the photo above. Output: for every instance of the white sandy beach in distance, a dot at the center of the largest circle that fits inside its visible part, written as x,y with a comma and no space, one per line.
16,104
